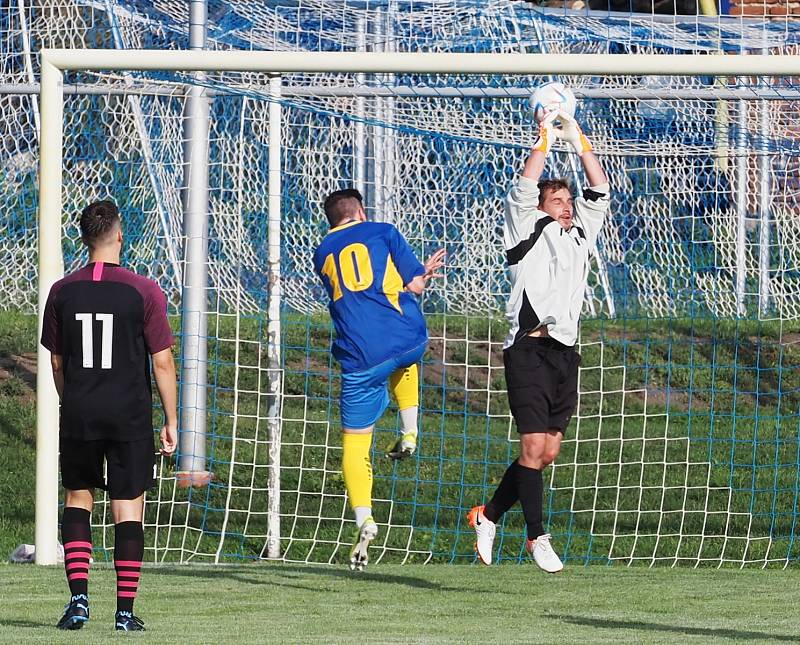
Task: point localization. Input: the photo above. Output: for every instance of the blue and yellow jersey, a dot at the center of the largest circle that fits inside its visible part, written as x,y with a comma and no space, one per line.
364,267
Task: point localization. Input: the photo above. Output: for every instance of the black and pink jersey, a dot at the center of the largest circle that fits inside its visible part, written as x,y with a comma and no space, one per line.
106,321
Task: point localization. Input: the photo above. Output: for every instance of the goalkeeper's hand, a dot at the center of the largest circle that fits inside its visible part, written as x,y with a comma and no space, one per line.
547,134
571,132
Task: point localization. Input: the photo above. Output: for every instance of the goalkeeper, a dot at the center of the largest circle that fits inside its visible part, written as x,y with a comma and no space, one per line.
372,277
547,239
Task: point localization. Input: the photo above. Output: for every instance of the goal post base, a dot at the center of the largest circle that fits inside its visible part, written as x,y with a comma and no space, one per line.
193,478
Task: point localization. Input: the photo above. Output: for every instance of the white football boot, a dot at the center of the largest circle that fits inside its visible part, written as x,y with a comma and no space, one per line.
367,532
542,553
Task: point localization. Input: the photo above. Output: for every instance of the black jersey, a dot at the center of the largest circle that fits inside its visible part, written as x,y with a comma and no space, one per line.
106,321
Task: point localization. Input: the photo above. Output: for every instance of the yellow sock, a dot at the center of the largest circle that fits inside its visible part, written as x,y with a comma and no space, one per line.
404,386
357,468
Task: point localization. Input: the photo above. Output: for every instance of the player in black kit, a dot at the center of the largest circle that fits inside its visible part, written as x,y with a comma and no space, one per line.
547,237
102,325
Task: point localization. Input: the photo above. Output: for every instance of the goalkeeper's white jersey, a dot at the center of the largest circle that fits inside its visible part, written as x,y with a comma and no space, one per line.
549,266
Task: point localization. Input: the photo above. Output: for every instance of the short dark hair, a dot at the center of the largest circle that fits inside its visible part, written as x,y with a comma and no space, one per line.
342,204
98,220
550,186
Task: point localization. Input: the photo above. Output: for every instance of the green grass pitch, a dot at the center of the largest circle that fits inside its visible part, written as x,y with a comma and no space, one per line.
284,603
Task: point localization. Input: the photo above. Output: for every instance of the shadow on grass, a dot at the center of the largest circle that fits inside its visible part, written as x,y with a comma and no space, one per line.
248,575
24,623
737,634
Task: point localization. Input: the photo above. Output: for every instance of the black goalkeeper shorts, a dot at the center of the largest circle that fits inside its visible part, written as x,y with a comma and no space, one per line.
130,466
542,381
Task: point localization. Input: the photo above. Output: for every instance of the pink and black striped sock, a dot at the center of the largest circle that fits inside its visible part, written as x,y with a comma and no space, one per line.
76,534
128,552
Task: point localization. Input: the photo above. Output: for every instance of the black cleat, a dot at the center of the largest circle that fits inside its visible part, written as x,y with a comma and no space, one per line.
127,622
404,447
75,613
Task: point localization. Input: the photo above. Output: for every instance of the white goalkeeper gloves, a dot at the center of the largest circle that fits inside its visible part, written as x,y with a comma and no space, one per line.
571,132
547,134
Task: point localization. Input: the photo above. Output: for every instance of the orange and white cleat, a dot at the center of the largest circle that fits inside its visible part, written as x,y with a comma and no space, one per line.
484,532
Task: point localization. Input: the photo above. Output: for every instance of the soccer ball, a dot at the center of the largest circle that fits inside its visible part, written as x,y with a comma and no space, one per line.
552,96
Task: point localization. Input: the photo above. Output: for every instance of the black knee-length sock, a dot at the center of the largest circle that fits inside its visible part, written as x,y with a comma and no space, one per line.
128,553
76,535
505,495
531,496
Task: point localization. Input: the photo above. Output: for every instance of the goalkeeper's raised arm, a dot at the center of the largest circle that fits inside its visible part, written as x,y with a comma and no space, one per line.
591,207
571,132
534,164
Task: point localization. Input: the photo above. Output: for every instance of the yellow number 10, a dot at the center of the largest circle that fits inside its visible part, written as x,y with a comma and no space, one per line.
354,268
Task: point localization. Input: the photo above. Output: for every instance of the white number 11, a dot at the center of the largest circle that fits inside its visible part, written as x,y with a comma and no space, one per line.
88,340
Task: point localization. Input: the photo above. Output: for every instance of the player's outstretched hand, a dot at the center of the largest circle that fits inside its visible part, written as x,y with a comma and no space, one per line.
169,440
433,263
571,132
547,134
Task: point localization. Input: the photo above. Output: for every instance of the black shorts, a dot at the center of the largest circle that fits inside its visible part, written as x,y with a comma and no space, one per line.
130,466
542,382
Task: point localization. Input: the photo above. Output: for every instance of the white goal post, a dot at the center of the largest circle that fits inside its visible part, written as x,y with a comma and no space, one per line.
55,61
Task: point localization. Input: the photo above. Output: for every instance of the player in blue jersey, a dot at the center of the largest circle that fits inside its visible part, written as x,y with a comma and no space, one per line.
372,277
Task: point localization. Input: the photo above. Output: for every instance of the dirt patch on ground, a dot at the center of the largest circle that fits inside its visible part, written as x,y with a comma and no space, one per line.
18,375
671,399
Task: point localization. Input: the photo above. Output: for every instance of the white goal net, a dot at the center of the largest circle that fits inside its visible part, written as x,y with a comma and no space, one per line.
684,446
